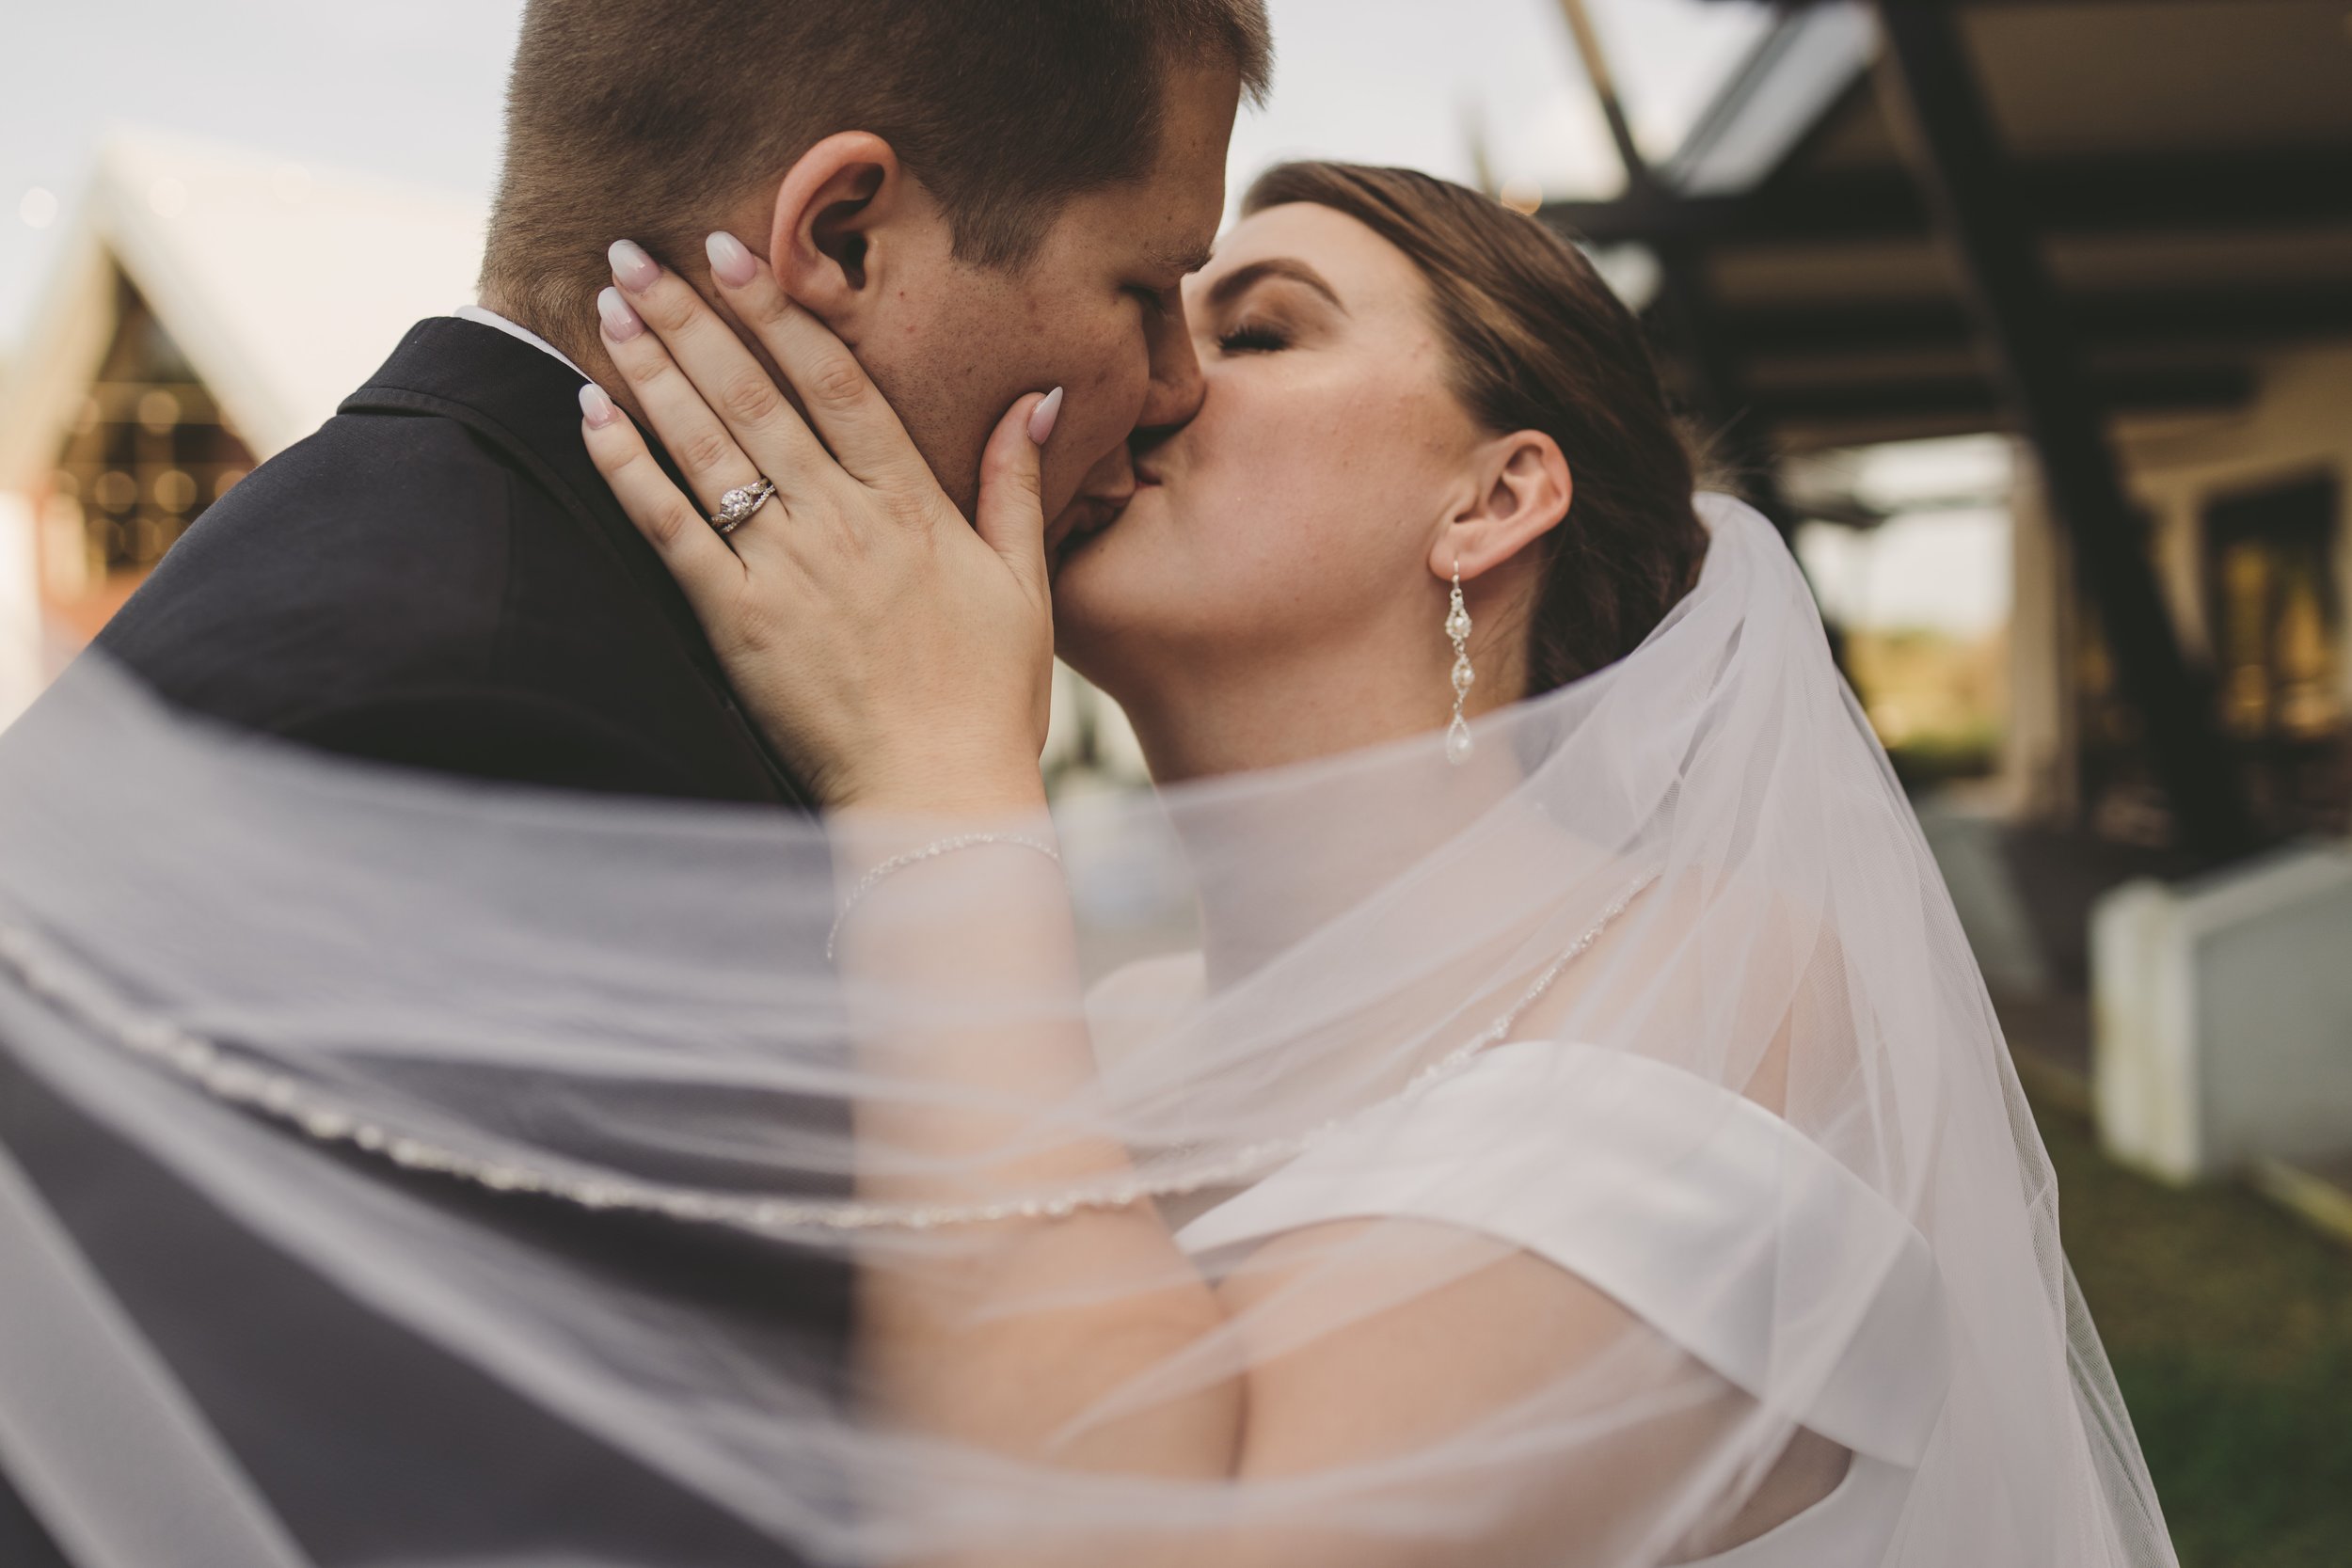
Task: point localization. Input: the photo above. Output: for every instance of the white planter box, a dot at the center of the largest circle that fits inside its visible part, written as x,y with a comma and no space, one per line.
2221,1016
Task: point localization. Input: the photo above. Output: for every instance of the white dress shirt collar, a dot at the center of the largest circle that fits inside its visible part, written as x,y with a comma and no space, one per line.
492,319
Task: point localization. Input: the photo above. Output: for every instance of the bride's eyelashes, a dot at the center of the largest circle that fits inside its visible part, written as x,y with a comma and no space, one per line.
1253,338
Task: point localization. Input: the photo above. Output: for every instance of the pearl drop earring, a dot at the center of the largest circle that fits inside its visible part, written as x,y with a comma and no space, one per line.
1457,626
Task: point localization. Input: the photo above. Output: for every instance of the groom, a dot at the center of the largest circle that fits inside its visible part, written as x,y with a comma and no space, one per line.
437,578
982,200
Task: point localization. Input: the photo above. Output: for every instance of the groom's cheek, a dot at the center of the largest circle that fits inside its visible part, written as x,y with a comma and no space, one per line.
1101,401
1077,449
1103,388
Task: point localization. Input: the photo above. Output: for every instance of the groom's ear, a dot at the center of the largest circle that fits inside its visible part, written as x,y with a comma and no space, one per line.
839,210
1522,490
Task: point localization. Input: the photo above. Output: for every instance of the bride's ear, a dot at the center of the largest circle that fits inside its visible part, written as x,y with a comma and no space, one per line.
1523,492
838,211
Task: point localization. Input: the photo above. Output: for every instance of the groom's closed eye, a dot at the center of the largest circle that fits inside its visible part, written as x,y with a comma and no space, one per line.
1163,282
1158,301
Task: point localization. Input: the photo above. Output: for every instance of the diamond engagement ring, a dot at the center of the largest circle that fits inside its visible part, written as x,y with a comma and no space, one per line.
738,505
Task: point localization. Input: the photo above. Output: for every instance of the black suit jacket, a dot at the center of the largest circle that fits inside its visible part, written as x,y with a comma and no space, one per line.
437,579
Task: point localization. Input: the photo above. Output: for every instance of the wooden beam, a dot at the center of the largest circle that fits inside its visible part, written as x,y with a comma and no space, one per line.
2236,317
1685,307
2177,193
1942,399
1934,88
1992,5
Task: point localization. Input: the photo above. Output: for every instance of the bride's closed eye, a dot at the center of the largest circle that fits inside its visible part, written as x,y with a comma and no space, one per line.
1253,338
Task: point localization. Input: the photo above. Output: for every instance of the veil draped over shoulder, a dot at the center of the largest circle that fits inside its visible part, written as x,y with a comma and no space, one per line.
1658,1001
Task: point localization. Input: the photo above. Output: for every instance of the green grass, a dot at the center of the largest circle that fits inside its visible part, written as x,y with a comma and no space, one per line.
2230,1324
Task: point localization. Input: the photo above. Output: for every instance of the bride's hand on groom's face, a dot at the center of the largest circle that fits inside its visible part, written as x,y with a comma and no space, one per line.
900,657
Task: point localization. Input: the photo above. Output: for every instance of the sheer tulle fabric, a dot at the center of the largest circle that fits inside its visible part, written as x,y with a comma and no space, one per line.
1751,1162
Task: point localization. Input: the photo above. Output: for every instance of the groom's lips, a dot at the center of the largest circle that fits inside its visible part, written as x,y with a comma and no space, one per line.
1085,517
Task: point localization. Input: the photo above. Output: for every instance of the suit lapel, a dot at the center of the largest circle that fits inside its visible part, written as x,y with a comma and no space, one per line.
526,402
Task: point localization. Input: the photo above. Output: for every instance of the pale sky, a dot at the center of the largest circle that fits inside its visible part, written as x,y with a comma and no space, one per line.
1941,570
411,88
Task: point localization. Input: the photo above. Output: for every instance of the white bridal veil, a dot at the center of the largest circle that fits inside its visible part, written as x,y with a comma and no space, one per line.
1661,994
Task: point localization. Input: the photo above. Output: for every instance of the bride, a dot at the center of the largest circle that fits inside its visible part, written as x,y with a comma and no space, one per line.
1685,1190
1514,1092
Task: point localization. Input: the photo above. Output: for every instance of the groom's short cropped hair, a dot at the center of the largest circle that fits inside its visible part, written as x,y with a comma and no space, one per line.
647,119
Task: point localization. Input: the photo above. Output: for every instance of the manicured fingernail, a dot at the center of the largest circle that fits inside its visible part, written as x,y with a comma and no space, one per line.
730,264
620,322
634,269
595,407
1041,418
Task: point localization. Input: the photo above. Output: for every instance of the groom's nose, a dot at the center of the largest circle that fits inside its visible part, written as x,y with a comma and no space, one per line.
1174,396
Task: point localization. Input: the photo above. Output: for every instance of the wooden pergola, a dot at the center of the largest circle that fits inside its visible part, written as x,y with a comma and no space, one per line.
1922,217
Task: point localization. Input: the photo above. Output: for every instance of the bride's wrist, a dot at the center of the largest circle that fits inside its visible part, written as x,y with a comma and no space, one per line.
938,785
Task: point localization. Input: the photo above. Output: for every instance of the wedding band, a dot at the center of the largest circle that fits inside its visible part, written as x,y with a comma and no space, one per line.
737,505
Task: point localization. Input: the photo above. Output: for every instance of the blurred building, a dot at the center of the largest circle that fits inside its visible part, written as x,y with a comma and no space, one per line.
209,308
2120,229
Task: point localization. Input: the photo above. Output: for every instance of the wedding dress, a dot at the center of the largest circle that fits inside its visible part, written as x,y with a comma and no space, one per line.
1657,1007
1515,1147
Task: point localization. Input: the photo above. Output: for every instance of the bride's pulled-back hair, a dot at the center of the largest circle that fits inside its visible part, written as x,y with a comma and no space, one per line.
1538,342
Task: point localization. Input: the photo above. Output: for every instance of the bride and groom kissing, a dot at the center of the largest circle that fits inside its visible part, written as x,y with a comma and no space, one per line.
838,364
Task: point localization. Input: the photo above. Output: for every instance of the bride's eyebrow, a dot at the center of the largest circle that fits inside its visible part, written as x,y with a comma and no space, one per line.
1241,278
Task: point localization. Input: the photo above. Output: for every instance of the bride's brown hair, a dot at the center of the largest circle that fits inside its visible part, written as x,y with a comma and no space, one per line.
1538,342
